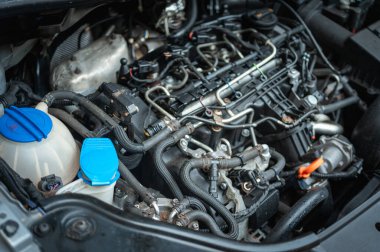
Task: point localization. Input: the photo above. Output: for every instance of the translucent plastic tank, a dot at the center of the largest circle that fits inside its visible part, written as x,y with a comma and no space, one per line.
36,144
99,170
104,193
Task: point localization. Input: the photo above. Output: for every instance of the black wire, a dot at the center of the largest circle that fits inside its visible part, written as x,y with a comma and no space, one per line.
313,40
231,35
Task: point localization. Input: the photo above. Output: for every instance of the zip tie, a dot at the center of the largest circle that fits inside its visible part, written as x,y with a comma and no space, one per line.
261,72
232,89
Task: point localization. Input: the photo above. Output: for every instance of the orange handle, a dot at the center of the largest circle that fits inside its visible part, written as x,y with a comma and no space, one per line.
305,171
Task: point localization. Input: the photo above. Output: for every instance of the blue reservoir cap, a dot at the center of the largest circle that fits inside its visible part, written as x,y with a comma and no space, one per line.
25,125
99,162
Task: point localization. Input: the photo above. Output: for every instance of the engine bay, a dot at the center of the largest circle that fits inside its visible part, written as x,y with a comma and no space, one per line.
235,119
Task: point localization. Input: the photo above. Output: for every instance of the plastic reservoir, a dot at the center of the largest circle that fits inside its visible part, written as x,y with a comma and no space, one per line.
99,170
36,144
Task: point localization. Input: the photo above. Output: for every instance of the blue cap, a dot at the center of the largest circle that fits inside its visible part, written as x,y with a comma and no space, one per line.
99,162
25,125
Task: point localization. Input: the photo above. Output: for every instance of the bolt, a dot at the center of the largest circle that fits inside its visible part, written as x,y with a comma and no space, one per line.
175,201
80,225
183,143
195,226
223,186
245,133
118,192
178,223
43,229
223,147
218,112
132,109
208,113
80,228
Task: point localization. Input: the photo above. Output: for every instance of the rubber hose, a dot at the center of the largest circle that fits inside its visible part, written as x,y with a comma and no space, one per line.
192,14
119,132
350,173
190,202
82,101
297,214
277,168
246,213
9,98
73,123
132,181
131,161
240,159
207,220
326,109
161,166
23,189
210,200
133,147
12,182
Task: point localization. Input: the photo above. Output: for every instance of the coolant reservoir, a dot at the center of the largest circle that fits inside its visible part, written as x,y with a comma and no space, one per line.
99,170
36,144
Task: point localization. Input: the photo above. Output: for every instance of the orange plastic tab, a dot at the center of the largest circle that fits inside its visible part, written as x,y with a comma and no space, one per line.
305,171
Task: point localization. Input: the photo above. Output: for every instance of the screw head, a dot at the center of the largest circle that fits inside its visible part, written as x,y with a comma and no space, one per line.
195,226
223,147
223,186
245,133
42,229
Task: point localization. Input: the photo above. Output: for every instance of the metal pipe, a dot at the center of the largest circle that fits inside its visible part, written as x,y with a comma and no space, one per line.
199,144
256,67
327,128
154,104
211,98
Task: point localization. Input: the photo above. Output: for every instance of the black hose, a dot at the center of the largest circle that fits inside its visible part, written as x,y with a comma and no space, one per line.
70,121
161,166
191,164
352,172
119,132
82,101
132,147
246,213
297,214
205,219
190,202
9,98
191,18
277,168
326,109
132,161
280,38
23,189
311,36
210,200
132,181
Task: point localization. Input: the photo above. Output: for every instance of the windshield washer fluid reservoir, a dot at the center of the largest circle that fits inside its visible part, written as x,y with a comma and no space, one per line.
99,170
36,144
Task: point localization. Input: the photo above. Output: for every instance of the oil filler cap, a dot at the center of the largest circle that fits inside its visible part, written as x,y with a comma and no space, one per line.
99,162
25,125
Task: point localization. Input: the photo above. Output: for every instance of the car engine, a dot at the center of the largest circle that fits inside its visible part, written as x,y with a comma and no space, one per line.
253,121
